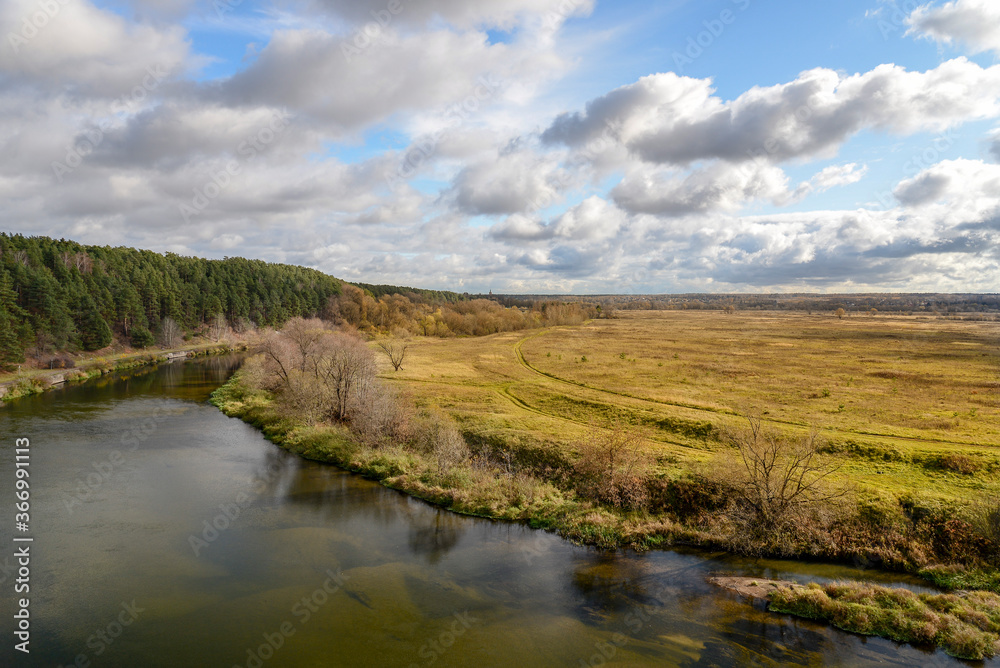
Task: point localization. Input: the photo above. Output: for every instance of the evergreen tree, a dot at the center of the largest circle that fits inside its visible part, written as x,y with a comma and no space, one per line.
11,347
94,331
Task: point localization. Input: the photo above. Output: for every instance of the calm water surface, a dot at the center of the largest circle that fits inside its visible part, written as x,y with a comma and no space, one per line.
219,549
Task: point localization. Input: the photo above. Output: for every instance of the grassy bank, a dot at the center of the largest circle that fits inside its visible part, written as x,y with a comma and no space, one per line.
965,625
35,381
525,481
486,484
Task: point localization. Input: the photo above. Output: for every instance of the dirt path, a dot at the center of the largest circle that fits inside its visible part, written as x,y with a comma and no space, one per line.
519,354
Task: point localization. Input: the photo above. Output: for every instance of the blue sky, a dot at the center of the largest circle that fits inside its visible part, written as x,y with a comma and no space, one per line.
519,145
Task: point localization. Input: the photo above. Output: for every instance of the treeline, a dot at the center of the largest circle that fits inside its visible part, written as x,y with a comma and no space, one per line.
925,304
418,313
59,295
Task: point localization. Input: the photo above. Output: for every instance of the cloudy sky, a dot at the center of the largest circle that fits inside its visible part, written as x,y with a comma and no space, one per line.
517,145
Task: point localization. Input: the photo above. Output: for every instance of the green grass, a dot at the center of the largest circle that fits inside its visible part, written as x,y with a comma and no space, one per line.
966,626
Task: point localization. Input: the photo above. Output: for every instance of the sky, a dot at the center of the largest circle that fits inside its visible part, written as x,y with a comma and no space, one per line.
518,146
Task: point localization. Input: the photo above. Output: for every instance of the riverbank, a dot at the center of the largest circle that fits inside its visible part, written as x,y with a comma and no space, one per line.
965,625
487,485
35,381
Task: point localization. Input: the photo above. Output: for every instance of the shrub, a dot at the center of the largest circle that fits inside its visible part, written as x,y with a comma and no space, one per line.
963,464
613,467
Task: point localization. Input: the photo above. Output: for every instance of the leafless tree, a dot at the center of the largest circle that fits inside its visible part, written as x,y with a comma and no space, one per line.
395,351
776,477
306,337
218,328
347,366
170,333
612,466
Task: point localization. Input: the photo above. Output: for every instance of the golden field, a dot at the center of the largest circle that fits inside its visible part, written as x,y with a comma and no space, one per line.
906,404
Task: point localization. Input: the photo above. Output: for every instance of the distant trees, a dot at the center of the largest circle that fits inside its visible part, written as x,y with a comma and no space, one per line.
65,296
840,313
473,317
12,329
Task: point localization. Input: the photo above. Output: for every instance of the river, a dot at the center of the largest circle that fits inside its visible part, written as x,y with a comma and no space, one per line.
166,534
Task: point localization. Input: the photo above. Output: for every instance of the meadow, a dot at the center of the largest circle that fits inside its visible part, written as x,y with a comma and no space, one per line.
907,406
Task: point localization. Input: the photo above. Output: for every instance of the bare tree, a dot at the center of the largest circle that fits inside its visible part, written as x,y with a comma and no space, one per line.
612,465
306,337
776,477
395,351
218,328
348,368
170,333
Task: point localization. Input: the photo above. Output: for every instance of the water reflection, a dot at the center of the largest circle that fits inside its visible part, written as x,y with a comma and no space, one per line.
433,535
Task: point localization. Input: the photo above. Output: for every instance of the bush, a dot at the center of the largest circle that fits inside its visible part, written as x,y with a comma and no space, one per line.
613,468
777,484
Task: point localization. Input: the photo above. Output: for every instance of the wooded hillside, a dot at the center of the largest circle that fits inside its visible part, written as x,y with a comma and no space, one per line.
60,295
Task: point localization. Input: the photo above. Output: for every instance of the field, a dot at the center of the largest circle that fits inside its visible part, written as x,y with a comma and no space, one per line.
908,405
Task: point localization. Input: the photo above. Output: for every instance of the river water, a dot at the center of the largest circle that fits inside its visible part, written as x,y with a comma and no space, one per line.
166,534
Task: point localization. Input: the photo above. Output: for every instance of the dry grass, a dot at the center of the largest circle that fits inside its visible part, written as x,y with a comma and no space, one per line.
966,626
905,402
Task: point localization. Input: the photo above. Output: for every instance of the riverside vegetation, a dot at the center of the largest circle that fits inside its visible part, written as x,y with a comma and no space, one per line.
634,432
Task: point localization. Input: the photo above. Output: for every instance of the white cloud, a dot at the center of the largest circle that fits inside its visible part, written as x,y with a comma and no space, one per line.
666,118
87,49
720,186
834,176
464,14
974,23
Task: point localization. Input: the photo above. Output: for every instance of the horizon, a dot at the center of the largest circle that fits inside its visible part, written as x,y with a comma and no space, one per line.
561,147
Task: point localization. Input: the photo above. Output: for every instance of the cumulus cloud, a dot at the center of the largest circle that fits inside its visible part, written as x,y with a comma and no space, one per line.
593,219
306,70
85,49
513,182
666,118
993,142
720,186
838,175
652,186
973,23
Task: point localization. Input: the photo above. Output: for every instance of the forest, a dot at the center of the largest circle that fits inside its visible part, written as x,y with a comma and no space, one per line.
61,296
